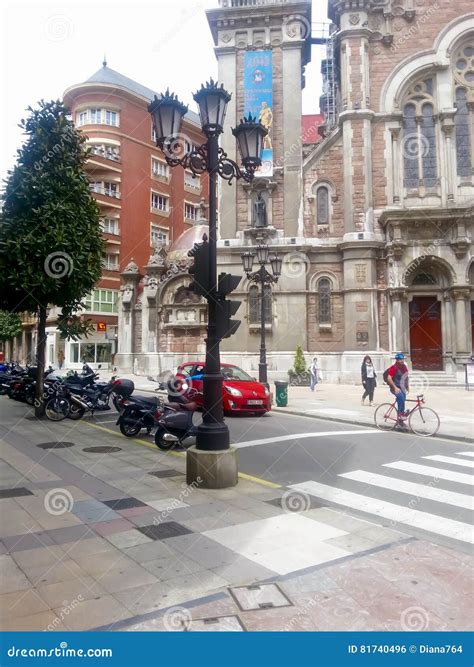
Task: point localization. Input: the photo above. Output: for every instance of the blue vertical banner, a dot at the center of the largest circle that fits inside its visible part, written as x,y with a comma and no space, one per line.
258,100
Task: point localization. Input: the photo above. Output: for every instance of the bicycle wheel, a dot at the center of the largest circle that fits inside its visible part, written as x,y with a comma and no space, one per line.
57,408
423,421
385,417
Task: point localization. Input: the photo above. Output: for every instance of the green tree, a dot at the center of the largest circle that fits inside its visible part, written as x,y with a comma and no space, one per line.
10,325
50,240
299,364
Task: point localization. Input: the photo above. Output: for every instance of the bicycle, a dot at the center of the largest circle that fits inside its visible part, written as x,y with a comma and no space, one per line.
421,420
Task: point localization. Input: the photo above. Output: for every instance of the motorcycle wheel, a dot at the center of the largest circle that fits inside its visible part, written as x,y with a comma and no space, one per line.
130,430
116,402
76,412
57,409
160,442
30,399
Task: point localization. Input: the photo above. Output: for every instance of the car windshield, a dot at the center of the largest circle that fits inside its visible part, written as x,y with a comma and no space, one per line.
235,373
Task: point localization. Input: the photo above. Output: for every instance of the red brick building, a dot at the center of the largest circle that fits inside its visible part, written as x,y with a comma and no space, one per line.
145,205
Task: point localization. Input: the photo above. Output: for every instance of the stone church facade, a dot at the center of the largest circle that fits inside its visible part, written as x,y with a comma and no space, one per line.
374,224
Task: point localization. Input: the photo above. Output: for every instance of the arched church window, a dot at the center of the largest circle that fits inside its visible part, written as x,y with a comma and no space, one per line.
424,278
322,205
419,136
324,300
463,64
255,304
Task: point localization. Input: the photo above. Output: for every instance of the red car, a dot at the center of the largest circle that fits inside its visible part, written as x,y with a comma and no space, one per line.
241,393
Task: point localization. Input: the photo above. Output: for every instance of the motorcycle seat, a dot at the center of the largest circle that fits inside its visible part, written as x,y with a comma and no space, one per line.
151,400
184,407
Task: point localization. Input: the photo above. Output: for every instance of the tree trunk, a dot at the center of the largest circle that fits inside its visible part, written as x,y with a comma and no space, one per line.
40,358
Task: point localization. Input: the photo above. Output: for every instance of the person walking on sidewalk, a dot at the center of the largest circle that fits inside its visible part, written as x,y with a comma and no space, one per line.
369,379
314,374
397,379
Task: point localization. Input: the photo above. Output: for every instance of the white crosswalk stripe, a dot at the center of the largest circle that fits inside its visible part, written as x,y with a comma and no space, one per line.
434,473
400,515
465,453
429,490
449,459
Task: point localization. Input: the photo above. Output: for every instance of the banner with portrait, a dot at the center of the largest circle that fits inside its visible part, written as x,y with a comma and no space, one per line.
258,100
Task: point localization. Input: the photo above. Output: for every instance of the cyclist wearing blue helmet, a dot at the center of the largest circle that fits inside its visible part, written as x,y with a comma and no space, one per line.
397,379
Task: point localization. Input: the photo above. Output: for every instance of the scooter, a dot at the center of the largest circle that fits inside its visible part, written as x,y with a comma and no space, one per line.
177,423
139,412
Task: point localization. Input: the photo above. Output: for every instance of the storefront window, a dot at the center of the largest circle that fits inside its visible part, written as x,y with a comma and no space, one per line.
91,353
103,352
74,353
88,352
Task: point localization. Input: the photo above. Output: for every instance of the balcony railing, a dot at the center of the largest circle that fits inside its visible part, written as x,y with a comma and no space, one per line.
254,3
107,153
103,190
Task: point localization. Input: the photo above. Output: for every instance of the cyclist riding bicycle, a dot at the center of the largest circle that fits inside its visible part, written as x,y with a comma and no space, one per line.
397,379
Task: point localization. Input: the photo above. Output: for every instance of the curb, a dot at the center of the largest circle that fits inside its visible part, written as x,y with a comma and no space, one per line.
300,413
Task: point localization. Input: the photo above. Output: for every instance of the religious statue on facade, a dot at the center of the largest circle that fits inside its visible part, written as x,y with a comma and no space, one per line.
259,212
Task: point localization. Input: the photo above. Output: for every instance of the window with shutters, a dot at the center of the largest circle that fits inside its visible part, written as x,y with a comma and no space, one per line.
255,304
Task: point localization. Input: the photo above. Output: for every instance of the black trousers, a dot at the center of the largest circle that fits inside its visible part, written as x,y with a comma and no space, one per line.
369,389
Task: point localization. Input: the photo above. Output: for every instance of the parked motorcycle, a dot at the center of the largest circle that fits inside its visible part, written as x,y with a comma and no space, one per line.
177,423
139,412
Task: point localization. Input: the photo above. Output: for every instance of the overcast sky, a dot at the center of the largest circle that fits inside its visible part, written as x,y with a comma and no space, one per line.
45,47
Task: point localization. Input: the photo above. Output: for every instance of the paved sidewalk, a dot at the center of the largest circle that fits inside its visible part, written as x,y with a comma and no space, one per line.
455,406
101,531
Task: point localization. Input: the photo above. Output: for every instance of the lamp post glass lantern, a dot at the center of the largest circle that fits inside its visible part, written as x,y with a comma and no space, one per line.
263,278
167,113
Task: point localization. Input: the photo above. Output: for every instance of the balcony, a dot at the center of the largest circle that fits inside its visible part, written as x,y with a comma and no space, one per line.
104,190
106,152
254,3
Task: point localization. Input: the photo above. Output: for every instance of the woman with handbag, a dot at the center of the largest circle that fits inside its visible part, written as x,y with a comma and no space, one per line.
369,379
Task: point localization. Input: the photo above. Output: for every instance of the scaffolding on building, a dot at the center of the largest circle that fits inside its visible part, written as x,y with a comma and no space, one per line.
325,34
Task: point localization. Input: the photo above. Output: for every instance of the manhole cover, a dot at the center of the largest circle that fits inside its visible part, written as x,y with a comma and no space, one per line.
55,445
102,450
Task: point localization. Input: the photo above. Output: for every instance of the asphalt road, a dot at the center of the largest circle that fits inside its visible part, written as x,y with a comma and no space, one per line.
387,477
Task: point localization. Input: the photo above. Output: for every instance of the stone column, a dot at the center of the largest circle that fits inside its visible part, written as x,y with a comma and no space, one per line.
398,334
395,183
463,331
448,130
128,294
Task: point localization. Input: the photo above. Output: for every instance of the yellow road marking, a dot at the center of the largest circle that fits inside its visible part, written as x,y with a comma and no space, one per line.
182,455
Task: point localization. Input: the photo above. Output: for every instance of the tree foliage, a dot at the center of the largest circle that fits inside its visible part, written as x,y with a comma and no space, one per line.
10,325
50,239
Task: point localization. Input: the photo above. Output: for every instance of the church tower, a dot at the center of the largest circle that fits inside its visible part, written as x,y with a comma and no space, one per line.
262,49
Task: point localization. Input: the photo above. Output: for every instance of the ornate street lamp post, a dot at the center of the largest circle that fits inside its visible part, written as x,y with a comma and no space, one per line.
263,278
167,114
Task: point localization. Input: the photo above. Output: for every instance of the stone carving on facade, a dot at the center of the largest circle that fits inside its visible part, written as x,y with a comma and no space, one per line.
126,295
131,267
354,19
394,279
157,259
151,288
259,218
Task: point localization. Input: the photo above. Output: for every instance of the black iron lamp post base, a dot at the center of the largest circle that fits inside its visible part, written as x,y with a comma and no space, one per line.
212,437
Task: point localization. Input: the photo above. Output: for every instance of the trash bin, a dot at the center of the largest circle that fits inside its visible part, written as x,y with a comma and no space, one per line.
281,393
